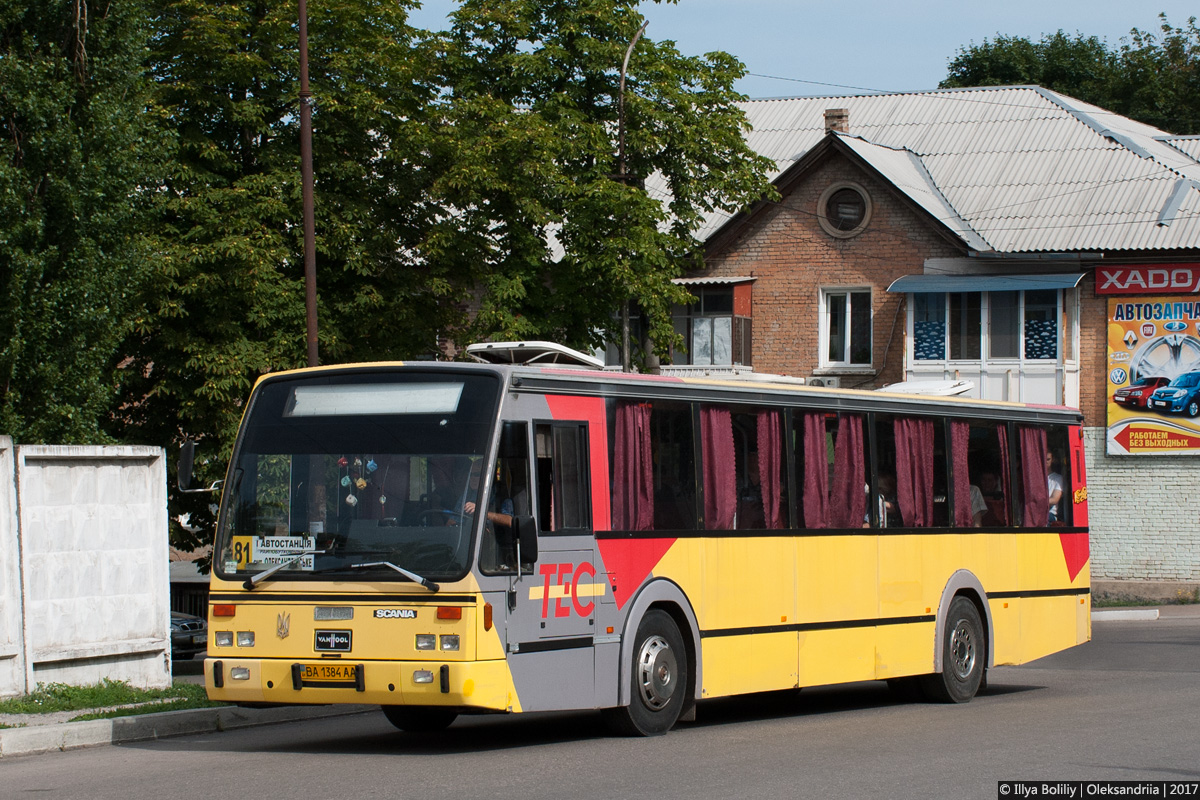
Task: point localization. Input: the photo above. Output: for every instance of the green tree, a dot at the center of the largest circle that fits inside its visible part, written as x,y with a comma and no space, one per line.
80,158
1153,78
228,302
559,241
1080,66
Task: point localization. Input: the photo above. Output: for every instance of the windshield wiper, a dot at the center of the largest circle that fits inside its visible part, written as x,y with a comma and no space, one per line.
412,576
296,555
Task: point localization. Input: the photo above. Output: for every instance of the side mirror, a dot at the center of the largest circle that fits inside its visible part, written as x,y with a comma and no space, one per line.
187,459
525,530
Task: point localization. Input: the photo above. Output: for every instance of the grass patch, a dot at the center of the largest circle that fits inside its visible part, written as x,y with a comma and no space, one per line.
1119,602
48,698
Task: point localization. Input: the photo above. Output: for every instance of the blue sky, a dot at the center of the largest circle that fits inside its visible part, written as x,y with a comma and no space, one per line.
836,47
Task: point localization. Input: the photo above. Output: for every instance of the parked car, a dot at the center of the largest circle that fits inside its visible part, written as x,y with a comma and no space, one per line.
189,635
1181,394
1137,394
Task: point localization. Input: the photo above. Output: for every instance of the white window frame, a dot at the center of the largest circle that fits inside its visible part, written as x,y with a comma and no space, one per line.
845,364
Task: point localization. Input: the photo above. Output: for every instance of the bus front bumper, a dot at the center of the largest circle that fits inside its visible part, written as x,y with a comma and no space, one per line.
484,685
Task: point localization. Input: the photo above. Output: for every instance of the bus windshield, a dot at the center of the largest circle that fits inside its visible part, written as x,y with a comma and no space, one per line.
332,472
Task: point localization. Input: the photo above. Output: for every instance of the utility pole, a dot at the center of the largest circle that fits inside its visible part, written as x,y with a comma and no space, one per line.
306,190
626,365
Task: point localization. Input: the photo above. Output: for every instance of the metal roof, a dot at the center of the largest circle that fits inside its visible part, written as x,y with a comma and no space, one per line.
985,283
1010,169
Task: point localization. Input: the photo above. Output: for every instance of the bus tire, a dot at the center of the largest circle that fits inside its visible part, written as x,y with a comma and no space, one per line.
414,719
659,675
964,656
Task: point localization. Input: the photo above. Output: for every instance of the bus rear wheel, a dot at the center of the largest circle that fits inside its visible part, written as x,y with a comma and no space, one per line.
964,656
659,676
419,720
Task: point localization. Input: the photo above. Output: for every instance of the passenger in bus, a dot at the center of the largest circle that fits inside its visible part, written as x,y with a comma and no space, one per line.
979,506
1054,485
993,498
889,508
750,514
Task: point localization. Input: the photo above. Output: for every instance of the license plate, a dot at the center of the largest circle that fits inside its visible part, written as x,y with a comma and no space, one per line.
329,672
199,638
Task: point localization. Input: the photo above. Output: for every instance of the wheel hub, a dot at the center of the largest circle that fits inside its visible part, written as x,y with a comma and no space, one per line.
962,650
656,668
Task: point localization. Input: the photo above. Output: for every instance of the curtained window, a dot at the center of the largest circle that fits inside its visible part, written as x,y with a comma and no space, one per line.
633,473
914,470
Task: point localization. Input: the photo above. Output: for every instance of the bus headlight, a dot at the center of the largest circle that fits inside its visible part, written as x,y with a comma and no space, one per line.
223,638
240,673
423,676
426,641
450,642
245,638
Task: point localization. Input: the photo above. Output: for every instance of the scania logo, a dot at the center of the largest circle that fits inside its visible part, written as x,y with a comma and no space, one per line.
395,613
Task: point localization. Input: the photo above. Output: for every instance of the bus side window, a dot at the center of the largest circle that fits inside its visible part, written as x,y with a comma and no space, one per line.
562,477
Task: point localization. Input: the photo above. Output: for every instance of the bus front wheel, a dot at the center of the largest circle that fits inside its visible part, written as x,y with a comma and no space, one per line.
419,720
964,656
659,677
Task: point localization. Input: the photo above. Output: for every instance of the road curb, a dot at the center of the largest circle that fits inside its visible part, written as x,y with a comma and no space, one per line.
1124,614
143,727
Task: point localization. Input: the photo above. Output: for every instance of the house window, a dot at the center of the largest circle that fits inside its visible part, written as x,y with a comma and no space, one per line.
929,326
844,210
1041,324
1004,317
1019,325
846,326
964,325
713,334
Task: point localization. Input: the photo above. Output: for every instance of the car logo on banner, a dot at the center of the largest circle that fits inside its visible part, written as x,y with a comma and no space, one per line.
1148,329
1118,375
1175,327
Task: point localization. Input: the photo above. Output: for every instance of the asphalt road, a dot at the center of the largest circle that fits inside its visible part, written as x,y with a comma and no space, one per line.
1122,707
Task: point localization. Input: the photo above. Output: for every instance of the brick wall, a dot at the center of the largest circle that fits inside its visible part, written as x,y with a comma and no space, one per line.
785,248
1144,514
1093,353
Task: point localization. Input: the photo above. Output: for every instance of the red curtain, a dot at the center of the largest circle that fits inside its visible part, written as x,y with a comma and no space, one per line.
816,472
720,477
960,435
914,470
1035,492
633,474
1001,509
848,499
770,473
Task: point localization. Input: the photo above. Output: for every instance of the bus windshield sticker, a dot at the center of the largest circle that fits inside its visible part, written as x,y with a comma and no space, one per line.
266,551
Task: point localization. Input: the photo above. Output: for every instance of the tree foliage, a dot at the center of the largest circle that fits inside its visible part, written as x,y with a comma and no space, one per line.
79,159
466,188
1150,77
560,241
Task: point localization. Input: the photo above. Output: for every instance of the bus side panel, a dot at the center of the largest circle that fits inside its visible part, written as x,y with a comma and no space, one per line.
1049,623
747,583
837,581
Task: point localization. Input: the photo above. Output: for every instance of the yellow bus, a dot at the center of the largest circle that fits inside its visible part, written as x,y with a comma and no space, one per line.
452,538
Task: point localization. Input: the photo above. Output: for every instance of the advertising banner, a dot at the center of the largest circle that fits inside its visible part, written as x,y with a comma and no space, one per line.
1153,376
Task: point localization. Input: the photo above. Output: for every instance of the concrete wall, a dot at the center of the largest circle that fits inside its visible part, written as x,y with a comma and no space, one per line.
12,650
91,526
1144,514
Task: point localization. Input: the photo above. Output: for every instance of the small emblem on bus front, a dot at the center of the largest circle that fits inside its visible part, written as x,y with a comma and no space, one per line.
395,613
283,624
332,641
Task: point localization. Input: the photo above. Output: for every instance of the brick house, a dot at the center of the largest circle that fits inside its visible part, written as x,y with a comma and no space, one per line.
959,235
